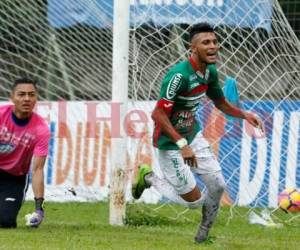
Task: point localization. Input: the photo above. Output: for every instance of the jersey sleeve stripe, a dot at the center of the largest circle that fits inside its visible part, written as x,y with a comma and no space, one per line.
199,89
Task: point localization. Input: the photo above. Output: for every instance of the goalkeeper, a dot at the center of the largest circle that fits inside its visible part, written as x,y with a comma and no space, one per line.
24,136
182,148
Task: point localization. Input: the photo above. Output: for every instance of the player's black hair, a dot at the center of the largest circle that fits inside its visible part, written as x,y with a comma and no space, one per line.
199,28
24,80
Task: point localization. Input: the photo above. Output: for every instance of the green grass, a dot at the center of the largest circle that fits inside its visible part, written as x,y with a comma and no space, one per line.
85,226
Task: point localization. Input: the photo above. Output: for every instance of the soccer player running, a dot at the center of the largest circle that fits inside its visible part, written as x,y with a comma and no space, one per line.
182,147
24,135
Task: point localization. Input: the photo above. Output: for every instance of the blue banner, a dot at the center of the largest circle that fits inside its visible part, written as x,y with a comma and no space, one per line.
99,13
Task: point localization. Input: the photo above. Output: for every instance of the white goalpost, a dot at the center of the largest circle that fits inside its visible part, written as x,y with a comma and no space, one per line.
119,95
100,66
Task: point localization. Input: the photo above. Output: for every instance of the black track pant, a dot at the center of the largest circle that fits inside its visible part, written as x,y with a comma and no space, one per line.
12,193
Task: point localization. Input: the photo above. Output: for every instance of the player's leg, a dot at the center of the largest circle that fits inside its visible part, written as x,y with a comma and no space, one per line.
12,191
178,179
178,184
192,199
210,172
215,185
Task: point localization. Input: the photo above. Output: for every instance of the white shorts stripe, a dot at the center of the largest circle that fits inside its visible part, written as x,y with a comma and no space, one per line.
26,186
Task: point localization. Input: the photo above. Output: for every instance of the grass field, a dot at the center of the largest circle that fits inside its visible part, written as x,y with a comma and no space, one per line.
85,226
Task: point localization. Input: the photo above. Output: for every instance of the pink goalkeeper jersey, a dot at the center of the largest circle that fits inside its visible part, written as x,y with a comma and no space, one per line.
18,144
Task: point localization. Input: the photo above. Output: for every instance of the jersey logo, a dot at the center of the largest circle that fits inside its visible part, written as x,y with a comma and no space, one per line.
173,86
168,105
206,76
11,139
6,148
10,199
193,77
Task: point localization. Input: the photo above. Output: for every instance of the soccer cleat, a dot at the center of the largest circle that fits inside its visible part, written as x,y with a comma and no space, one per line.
202,234
140,184
206,241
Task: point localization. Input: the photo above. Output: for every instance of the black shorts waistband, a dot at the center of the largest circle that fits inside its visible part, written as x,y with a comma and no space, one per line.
7,176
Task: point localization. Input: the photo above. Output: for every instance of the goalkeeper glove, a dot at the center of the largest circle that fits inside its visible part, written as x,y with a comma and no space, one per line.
35,219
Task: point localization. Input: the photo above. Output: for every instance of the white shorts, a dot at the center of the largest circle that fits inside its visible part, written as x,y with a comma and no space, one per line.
180,175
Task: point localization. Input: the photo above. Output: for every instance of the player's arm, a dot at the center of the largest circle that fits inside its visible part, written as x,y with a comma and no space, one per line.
35,219
40,154
229,109
163,111
38,176
161,118
216,94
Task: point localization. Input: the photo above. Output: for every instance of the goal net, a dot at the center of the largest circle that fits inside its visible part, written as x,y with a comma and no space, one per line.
67,46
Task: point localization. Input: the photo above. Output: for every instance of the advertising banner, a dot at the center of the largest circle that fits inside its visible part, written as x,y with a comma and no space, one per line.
256,166
99,13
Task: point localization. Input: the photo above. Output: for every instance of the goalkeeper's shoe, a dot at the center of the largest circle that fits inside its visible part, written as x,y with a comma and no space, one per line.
140,184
